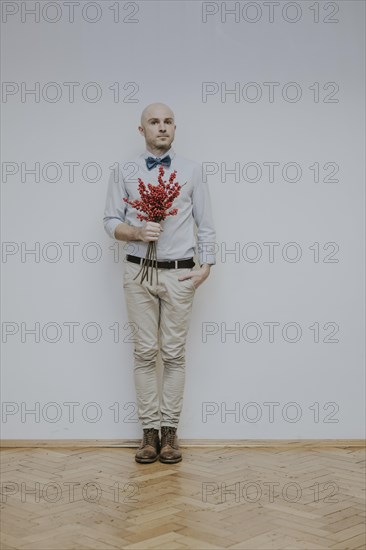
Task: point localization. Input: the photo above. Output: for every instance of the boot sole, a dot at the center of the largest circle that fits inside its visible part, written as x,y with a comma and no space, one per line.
146,460
170,460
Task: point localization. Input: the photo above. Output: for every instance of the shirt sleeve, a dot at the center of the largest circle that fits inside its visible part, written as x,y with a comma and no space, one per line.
115,207
202,214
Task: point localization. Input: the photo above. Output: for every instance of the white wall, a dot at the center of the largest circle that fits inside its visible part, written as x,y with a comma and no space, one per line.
168,53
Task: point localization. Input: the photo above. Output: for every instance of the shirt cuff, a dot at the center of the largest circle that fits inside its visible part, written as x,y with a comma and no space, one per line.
110,227
207,253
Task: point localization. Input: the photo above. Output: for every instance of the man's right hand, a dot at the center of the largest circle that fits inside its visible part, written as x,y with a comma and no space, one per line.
150,232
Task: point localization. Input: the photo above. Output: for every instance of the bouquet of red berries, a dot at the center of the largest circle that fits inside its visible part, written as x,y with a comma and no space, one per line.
154,203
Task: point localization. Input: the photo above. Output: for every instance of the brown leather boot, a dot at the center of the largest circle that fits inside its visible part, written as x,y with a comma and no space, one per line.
150,446
170,453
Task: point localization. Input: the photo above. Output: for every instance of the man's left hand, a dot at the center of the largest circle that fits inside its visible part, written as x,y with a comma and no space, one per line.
197,275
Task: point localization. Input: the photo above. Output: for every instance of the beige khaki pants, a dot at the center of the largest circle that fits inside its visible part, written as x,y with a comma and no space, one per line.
160,312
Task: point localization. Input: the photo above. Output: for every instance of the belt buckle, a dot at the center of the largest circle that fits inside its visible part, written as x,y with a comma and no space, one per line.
173,264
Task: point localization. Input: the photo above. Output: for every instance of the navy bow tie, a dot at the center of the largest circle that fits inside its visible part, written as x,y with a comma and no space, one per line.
151,162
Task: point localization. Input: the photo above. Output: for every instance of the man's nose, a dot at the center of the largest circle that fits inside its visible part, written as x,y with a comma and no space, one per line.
162,127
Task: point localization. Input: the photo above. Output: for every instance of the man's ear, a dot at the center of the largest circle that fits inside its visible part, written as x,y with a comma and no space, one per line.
141,130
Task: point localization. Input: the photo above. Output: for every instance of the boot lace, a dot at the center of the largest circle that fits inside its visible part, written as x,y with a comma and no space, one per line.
149,436
169,436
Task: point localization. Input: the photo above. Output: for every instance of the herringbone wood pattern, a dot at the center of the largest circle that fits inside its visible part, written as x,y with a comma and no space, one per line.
216,498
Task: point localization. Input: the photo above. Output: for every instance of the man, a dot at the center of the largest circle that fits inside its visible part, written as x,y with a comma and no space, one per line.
161,309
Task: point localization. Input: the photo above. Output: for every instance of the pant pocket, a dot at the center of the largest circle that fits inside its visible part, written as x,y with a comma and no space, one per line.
190,280
129,272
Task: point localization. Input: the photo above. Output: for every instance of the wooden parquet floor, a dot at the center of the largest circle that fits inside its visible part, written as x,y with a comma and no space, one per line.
216,498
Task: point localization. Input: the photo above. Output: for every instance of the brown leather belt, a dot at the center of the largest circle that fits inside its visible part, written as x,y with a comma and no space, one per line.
171,264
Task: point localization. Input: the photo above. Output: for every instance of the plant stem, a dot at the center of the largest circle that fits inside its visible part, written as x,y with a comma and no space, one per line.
151,254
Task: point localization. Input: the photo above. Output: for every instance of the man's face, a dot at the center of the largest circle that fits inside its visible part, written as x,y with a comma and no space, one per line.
158,128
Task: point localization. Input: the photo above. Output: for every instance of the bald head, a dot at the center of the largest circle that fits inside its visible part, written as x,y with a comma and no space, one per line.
156,110
157,127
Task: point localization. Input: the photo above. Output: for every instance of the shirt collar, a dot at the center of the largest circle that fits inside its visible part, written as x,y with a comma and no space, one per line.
171,153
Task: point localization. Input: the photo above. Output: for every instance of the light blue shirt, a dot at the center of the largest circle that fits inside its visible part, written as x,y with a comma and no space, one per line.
178,240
